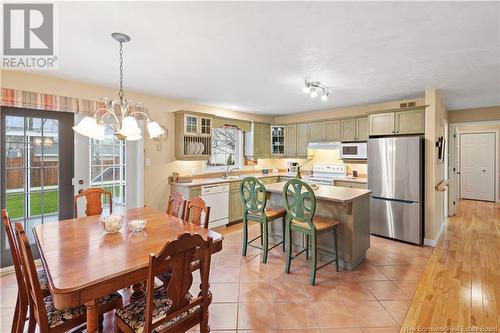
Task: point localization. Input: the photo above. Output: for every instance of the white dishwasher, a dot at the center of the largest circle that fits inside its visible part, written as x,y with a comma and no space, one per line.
217,197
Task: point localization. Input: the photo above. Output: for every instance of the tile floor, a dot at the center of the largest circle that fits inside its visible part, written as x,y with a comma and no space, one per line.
249,296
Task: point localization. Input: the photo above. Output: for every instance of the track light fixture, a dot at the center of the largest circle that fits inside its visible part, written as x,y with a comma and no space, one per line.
315,89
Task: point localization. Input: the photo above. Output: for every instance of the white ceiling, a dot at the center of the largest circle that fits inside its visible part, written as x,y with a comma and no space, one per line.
254,56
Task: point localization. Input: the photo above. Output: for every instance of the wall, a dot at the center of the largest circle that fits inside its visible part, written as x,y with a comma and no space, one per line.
162,163
436,117
479,114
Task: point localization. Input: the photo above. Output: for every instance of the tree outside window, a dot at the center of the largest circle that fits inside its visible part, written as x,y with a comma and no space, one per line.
226,147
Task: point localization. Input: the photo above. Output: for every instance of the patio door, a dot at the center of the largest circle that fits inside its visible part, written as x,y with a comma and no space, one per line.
37,168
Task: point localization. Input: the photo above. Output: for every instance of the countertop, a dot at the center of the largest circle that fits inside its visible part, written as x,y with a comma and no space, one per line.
327,192
359,180
219,180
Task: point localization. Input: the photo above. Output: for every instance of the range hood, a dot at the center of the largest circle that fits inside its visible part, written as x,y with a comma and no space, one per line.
324,145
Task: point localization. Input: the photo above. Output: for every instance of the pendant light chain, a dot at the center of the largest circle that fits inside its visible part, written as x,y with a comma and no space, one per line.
121,93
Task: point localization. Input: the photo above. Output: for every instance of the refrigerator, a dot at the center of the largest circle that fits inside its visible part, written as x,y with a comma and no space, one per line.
396,179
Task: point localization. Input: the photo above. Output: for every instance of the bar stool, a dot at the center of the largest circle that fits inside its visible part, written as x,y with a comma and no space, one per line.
254,198
300,204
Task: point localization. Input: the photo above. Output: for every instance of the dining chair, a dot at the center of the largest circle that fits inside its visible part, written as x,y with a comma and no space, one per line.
171,308
94,201
42,310
300,204
194,212
176,205
254,198
22,303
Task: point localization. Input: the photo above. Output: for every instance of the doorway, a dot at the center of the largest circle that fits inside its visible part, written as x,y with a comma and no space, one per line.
477,166
37,168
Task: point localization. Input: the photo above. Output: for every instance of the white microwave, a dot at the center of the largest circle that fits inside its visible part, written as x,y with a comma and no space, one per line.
353,151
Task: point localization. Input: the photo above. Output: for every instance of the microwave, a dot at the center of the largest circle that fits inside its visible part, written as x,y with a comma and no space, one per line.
353,151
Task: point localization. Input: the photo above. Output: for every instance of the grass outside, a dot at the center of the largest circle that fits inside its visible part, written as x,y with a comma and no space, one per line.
15,203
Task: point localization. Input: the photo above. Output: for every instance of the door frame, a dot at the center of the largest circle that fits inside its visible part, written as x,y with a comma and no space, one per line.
65,166
455,159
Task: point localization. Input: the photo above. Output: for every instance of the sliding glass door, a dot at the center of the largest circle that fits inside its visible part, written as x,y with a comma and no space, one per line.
37,168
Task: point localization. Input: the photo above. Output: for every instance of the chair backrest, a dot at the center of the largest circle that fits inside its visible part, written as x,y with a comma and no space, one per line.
194,209
16,257
175,259
253,196
33,288
300,201
94,201
176,205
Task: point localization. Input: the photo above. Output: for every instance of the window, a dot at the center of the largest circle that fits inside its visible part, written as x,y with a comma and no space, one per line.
227,145
107,166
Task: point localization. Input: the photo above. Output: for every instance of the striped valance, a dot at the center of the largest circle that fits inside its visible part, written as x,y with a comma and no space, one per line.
33,100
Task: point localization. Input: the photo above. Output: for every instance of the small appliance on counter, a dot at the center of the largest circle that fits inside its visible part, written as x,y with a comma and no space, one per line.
354,151
292,166
325,173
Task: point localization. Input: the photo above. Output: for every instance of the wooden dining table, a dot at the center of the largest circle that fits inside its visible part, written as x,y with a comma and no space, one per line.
84,264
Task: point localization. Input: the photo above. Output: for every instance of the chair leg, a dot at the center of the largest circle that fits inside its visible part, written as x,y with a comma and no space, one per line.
245,237
32,322
288,240
307,247
314,261
261,232
283,229
265,236
15,320
336,249
22,312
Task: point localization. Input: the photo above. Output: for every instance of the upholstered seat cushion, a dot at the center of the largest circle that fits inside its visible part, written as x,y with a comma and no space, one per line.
133,314
57,317
44,283
321,223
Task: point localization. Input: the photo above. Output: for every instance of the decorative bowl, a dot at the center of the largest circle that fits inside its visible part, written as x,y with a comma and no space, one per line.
137,225
112,223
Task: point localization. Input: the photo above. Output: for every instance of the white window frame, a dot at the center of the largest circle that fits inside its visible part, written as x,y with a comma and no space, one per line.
238,158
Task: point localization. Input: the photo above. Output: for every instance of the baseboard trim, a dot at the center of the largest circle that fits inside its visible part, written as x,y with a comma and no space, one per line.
10,269
433,242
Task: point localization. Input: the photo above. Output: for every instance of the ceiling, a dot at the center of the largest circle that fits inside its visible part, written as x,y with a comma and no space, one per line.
253,57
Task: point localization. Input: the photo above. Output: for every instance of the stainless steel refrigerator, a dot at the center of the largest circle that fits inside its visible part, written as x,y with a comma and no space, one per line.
396,179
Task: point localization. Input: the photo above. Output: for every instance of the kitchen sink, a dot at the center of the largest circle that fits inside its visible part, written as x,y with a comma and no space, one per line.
231,177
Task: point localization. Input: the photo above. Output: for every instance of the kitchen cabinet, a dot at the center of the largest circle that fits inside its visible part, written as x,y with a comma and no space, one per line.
270,180
355,129
302,139
193,136
235,204
350,184
332,131
258,141
397,123
291,140
278,140
316,132
197,125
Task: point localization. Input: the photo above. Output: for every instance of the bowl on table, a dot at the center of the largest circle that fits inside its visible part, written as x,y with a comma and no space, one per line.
137,225
111,223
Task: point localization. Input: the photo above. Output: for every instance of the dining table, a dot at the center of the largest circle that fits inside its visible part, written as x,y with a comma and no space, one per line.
83,263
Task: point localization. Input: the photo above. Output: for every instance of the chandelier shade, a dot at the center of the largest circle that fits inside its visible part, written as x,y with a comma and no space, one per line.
89,127
154,129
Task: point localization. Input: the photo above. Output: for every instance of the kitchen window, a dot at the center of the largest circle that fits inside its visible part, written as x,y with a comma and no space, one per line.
227,144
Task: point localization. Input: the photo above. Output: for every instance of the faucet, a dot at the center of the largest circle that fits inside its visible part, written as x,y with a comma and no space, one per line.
229,170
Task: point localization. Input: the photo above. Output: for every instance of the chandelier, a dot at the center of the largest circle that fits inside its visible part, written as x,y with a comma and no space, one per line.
124,123
315,89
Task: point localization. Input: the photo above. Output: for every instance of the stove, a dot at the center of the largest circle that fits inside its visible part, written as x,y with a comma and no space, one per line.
325,173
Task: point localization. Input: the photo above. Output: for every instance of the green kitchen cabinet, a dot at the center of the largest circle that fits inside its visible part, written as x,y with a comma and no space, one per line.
316,132
302,139
332,131
397,123
362,129
291,141
348,130
258,141
235,205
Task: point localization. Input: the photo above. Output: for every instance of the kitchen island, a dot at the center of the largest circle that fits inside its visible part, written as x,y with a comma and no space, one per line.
351,206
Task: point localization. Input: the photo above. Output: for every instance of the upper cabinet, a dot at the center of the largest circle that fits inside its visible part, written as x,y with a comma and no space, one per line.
291,140
302,139
316,132
193,136
258,141
277,140
327,131
355,129
397,123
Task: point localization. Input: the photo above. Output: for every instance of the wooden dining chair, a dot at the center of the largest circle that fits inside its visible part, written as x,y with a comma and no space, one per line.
171,308
253,196
194,209
94,201
22,303
42,310
176,205
300,204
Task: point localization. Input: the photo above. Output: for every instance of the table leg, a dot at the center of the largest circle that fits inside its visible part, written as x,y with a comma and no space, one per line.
92,317
138,291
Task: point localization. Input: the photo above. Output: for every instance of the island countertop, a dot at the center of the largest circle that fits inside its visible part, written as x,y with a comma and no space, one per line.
327,192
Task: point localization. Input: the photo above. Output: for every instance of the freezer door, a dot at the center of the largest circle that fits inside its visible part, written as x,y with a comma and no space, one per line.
395,168
396,219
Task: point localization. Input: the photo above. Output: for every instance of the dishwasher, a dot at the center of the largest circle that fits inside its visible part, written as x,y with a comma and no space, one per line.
217,197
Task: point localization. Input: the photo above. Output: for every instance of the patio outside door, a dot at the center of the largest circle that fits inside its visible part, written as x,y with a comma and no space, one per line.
37,168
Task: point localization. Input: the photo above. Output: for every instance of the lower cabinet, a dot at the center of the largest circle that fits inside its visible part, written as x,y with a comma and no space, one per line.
235,205
350,184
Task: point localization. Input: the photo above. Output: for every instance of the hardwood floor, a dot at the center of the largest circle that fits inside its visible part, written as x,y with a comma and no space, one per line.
460,286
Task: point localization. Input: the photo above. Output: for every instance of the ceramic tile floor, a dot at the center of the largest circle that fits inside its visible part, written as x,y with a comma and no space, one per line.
249,296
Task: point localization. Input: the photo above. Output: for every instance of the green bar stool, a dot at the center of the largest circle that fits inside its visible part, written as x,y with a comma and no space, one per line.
300,204
254,198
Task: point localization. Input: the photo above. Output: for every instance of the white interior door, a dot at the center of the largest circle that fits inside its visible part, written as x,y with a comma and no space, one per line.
477,166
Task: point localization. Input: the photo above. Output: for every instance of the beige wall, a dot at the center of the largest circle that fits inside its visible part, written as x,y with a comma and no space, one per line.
479,114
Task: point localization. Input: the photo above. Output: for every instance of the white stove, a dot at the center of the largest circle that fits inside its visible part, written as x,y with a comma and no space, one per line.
325,173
